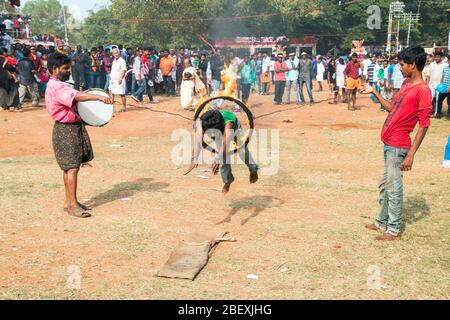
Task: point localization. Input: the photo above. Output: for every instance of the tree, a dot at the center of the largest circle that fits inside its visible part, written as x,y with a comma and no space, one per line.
46,16
176,23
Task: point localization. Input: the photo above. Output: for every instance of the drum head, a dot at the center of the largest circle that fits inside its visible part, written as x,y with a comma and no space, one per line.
95,113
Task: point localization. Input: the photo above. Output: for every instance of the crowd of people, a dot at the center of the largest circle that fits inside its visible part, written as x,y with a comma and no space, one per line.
17,27
141,72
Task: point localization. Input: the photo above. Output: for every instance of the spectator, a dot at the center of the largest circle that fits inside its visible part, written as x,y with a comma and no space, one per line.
35,58
138,73
352,72
305,77
9,96
45,77
331,79
436,74
258,72
247,78
443,96
292,77
320,72
340,79
16,25
5,39
397,77
27,81
216,69
280,69
106,65
94,69
9,26
117,84
166,65
79,69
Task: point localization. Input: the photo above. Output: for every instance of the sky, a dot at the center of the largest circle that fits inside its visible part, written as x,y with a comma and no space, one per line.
80,8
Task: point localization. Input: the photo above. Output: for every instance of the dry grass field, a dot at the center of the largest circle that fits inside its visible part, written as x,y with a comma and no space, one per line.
310,216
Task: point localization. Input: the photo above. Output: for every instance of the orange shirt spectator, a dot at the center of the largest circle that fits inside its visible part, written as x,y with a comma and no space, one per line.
166,65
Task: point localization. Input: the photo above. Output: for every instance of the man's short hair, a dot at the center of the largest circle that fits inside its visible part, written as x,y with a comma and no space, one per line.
439,53
414,55
57,60
354,55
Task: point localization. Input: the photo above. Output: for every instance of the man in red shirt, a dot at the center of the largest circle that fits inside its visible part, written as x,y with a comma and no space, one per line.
280,78
352,77
410,105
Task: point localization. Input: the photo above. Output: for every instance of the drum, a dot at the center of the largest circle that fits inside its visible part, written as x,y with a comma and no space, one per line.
95,113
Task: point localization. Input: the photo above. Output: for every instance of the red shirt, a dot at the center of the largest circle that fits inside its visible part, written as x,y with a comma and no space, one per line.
410,105
144,58
352,70
280,76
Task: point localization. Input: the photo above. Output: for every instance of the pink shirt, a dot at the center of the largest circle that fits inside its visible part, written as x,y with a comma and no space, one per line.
280,76
60,101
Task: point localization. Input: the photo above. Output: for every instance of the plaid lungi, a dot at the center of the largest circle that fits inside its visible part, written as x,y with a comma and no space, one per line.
71,145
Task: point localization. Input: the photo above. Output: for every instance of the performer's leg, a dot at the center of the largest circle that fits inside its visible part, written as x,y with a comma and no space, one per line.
71,188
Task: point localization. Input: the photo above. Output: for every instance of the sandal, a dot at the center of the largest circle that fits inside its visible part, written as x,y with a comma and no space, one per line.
82,206
79,213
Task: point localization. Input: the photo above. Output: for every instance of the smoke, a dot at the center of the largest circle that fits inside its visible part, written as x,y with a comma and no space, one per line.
227,28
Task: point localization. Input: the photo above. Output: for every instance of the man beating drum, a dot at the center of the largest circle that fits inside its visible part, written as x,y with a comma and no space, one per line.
70,139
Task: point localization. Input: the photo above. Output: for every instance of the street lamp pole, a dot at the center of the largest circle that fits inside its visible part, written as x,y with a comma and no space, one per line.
66,39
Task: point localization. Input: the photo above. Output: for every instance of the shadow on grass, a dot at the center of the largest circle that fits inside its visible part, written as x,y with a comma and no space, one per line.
415,209
127,190
257,204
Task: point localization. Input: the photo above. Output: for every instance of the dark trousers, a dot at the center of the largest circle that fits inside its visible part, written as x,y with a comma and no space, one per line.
95,80
169,85
150,90
102,79
239,87
79,79
279,90
440,99
246,91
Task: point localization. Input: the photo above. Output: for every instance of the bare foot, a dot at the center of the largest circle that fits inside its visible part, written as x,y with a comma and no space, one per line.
226,188
253,176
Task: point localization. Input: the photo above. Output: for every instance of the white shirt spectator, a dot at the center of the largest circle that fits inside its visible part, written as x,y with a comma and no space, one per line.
436,71
397,77
8,23
292,75
266,64
272,65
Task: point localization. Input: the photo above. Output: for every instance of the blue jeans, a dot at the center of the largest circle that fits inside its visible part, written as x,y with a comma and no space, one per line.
140,90
95,80
107,80
372,96
215,86
133,84
290,83
244,155
308,88
390,216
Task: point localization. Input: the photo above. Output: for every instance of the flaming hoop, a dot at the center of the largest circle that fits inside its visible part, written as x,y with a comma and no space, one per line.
242,112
